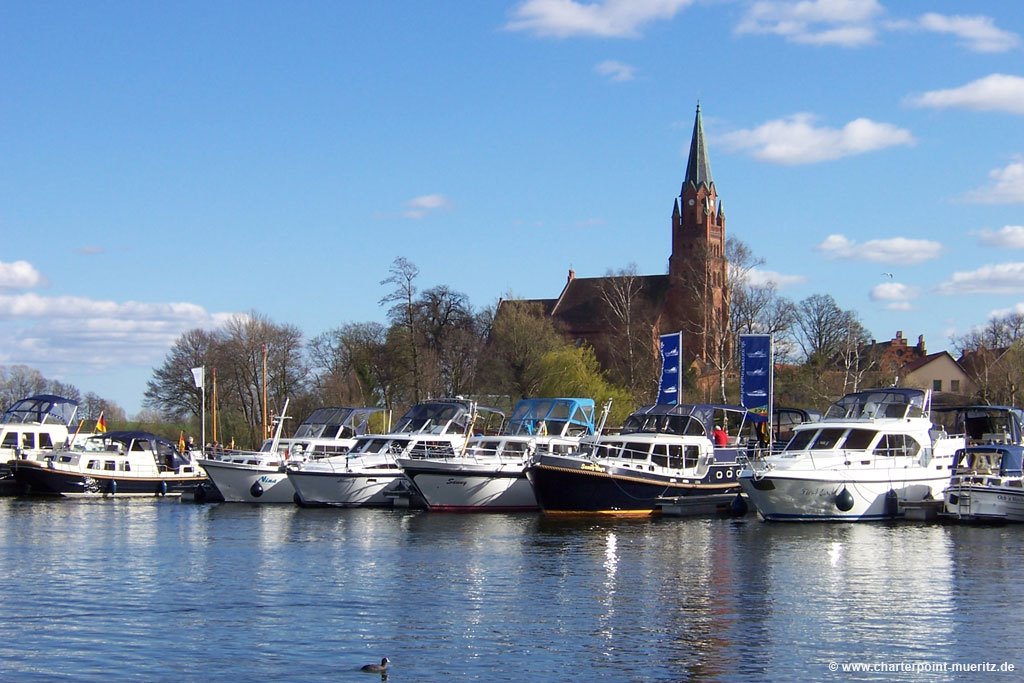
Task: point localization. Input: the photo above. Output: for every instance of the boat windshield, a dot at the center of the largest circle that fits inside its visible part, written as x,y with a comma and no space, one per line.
554,416
334,423
895,403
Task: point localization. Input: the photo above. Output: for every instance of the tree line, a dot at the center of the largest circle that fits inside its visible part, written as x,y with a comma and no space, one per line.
436,343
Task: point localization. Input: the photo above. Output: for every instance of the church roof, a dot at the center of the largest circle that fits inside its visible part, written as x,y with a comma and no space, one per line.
582,307
698,166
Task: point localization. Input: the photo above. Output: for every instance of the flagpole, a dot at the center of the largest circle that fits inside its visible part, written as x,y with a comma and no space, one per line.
199,375
213,405
264,393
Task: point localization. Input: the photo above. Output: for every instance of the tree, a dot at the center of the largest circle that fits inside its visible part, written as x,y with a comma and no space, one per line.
402,314
630,345
172,390
822,328
520,336
574,371
451,338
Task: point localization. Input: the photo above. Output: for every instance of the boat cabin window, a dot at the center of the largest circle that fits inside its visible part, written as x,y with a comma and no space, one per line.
634,451
801,439
432,449
828,438
897,445
44,441
374,445
126,466
109,465
514,448
859,439
10,440
93,465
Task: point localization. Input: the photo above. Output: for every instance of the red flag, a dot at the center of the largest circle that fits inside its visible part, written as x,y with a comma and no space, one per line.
101,424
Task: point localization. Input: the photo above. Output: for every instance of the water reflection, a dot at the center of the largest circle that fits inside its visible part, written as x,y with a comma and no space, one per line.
283,592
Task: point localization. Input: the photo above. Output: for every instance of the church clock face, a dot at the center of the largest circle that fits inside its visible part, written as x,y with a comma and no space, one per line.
691,202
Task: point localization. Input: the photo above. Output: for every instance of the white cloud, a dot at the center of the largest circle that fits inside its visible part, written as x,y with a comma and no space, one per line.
846,23
896,295
1002,278
606,18
1007,237
418,207
87,333
997,92
978,34
1007,186
616,71
899,250
19,275
795,139
759,278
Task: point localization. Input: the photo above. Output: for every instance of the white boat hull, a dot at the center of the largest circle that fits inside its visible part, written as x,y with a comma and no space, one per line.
240,483
985,503
819,495
366,488
467,487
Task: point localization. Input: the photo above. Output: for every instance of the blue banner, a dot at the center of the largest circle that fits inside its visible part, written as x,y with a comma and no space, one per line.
756,371
671,385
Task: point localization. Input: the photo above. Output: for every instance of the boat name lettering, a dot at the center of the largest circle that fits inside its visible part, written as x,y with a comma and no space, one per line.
268,479
592,467
452,481
820,492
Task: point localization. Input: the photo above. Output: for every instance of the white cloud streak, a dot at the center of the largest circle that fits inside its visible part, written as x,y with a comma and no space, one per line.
1007,237
605,19
844,23
1001,278
976,33
898,250
418,207
997,92
796,140
19,275
1007,186
615,72
895,295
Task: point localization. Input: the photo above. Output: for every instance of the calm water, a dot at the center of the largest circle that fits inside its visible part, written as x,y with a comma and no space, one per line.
162,590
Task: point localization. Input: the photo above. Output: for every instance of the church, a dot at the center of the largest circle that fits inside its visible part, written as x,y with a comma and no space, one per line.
692,298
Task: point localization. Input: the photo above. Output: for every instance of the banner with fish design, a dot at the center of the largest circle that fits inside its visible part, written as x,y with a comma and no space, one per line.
756,373
671,385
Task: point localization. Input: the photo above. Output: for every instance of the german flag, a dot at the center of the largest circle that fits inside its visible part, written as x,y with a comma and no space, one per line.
101,424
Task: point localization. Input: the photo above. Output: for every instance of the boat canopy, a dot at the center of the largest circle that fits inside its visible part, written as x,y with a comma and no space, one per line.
554,416
330,423
41,409
697,419
131,441
981,423
444,416
891,402
1007,459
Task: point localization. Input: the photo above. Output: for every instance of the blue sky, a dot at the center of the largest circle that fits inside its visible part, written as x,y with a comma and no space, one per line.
164,166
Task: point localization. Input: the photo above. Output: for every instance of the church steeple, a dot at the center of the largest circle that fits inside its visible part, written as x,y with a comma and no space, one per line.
698,167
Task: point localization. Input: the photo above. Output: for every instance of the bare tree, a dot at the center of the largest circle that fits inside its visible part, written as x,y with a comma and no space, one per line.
630,343
402,277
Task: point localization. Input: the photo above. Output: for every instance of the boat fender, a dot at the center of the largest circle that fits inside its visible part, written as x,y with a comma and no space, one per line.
112,487
256,490
739,506
200,493
162,489
892,503
844,500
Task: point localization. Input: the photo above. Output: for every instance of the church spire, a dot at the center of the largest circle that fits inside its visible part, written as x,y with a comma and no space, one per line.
698,167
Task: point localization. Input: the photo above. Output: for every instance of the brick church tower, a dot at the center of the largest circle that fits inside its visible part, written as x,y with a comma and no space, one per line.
698,296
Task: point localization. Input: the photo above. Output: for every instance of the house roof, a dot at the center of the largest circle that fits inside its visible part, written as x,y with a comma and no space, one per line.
918,363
